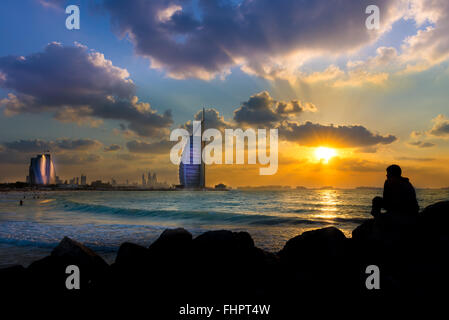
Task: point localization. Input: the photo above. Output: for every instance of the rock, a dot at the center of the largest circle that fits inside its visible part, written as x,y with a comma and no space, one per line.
173,240
314,247
439,210
365,231
79,254
434,220
12,278
224,240
130,254
387,229
50,271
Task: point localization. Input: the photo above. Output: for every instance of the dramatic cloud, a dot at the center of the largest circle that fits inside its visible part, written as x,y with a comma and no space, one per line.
212,119
145,147
314,134
440,126
205,38
77,85
64,151
40,146
422,144
112,147
262,109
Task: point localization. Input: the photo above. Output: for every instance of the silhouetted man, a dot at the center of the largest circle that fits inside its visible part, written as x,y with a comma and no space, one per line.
399,198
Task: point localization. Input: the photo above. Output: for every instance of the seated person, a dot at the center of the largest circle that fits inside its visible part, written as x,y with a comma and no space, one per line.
399,198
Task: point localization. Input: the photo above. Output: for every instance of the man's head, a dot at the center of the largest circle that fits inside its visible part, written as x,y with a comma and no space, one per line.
394,171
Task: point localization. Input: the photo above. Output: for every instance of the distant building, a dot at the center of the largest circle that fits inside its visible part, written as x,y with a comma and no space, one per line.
143,179
152,180
220,186
83,179
77,180
100,184
41,170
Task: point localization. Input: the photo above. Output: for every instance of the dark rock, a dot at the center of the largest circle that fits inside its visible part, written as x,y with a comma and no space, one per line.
319,262
79,254
50,272
314,246
12,278
172,239
434,220
439,210
130,254
224,240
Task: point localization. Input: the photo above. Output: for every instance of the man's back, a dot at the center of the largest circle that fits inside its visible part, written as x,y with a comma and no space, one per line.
399,197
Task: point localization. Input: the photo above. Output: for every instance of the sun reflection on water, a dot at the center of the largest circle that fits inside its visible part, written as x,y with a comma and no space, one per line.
329,202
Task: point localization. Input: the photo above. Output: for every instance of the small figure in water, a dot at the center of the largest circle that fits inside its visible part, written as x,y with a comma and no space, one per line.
399,197
21,202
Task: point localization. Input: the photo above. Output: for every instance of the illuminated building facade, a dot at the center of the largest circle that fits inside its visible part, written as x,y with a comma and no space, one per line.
42,170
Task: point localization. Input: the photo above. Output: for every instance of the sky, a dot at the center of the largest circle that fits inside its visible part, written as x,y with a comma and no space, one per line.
104,98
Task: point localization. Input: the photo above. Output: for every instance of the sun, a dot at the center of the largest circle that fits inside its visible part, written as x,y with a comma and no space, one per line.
324,153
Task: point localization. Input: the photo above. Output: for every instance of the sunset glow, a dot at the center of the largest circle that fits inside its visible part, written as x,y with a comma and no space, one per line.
325,154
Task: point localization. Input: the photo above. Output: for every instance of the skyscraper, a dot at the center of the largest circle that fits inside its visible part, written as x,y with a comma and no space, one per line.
83,179
42,170
143,179
193,175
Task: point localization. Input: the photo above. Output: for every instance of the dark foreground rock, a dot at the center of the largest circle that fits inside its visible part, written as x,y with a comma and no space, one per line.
51,272
226,267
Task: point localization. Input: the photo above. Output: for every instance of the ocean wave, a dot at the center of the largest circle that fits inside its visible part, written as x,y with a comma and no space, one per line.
209,217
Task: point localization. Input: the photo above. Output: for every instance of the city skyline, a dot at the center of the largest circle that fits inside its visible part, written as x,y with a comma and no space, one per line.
347,101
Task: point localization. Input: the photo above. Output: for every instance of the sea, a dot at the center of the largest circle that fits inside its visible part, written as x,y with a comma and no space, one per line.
103,220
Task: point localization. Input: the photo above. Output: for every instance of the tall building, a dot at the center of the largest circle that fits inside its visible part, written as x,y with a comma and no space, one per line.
143,179
42,170
83,179
193,175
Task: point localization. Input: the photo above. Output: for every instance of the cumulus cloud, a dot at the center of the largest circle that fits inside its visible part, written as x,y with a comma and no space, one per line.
430,45
440,126
257,35
77,85
112,147
314,134
262,109
158,147
212,119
